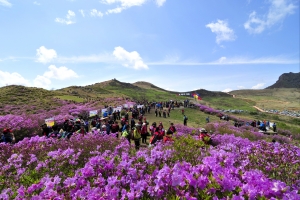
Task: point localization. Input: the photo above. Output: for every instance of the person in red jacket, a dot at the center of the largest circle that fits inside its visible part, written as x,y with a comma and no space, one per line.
204,136
160,132
158,135
168,137
172,128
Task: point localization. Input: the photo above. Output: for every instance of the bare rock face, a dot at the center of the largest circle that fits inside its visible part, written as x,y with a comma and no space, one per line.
287,80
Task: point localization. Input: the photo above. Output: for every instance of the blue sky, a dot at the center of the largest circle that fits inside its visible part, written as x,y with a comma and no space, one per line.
181,45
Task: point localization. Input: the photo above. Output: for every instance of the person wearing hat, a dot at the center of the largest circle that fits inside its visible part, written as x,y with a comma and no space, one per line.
103,129
7,136
126,133
137,136
204,136
144,133
168,137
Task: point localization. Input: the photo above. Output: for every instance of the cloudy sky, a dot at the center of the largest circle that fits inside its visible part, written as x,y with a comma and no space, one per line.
180,45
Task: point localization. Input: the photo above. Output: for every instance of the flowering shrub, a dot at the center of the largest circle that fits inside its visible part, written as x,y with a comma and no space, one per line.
104,167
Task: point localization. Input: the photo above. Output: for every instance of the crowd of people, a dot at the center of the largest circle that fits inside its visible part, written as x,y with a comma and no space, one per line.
132,125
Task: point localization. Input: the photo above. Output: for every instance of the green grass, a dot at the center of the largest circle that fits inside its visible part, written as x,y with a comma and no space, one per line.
224,103
196,118
279,98
71,98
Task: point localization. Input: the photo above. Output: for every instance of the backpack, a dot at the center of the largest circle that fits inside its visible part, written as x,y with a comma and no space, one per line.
125,133
136,134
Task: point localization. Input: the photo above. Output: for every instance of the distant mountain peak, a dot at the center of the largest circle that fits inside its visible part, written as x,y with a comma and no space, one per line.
287,80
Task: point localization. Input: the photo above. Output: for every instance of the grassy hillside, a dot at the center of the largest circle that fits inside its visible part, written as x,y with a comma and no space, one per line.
115,88
278,98
17,96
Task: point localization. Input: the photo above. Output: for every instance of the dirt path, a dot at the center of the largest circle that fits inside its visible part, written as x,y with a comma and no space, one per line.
259,109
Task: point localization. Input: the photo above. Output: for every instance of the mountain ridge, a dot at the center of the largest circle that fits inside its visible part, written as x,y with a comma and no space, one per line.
287,80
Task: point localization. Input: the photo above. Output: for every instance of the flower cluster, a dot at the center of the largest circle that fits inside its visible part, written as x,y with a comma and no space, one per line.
105,167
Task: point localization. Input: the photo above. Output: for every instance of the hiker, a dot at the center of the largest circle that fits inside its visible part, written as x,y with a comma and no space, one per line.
141,118
126,133
144,133
115,129
77,124
55,132
156,112
168,137
164,114
205,137
132,123
118,115
159,113
262,127
46,130
158,135
107,127
274,127
137,136
207,119
185,118
172,128
103,129
152,128
81,131
126,116
7,136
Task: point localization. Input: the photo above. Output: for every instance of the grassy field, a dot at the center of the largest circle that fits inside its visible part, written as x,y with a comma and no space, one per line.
279,98
225,103
196,118
71,98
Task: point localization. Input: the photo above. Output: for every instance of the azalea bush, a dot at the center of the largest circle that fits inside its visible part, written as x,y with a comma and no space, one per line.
104,167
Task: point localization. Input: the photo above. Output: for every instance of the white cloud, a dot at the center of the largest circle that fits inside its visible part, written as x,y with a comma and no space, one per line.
279,9
70,18
160,3
124,4
96,13
227,90
14,78
115,10
240,87
258,86
223,32
129,59
82,13
5,3
45,55
36,3
60,73
42,82
222,59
